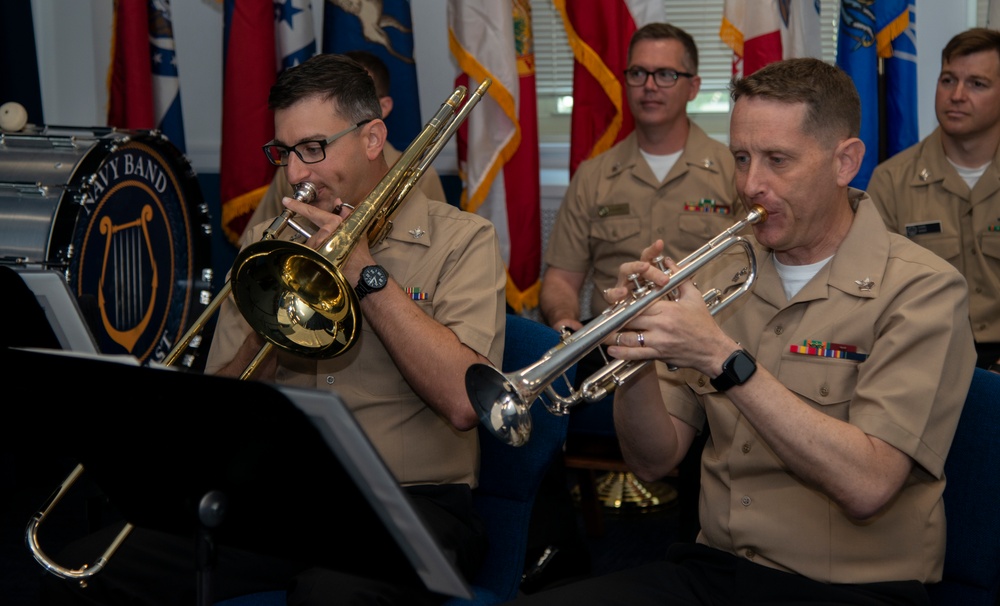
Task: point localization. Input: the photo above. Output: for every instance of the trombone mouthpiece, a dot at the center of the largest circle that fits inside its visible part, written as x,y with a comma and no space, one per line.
305,192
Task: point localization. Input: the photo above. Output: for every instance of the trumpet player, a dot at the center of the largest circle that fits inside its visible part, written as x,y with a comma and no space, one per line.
832,390
432,299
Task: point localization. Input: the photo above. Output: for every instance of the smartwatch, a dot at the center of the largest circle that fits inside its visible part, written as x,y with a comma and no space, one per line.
373,279
736,370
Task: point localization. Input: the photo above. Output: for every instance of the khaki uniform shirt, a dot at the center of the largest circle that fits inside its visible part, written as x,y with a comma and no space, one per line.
270,205
614,208
451,261
902,313
920,195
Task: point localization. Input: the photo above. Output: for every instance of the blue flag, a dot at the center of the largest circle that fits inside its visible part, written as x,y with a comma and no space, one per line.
19,80
294,35
886,29
166,80
384,29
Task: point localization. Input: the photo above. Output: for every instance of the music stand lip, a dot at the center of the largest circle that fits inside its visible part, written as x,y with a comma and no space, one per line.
156,441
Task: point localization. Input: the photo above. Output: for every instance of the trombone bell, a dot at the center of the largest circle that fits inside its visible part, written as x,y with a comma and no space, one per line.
303,303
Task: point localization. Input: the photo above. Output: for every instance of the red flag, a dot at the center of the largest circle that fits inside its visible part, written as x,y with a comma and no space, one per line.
520,175
130,99
498,144
761,32
250,69
598,33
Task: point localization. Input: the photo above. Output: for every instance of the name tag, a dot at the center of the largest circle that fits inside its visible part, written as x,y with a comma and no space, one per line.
611,210
917,229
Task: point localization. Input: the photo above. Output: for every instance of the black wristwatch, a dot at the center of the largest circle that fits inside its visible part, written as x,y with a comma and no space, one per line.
736,370
373,279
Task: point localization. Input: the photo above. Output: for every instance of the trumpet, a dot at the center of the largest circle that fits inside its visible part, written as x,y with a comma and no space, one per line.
503,401
313,309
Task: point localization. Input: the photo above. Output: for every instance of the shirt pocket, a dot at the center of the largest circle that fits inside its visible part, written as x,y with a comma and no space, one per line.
945,246
990,243
615,229
695,229
827,383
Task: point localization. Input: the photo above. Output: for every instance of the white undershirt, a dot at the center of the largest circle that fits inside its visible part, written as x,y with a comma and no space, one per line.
970,175
661,165
794,277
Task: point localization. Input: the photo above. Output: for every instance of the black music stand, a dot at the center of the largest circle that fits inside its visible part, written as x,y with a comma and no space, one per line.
279,471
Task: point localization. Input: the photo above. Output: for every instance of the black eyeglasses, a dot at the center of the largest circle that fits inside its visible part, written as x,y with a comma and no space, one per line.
663,77
310,152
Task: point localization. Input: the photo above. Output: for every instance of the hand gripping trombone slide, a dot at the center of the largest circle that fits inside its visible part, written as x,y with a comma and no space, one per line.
313,310
503,400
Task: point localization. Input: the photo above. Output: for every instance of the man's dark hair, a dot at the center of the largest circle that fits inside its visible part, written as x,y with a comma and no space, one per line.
833,107
332,77
970,41
376,67
666,31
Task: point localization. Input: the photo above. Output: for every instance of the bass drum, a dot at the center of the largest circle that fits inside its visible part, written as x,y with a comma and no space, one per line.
121,215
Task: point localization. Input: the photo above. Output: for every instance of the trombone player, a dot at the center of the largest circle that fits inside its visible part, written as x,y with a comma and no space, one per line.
432,299
832,390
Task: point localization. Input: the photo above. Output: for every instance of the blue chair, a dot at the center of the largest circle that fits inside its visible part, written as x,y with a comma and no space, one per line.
509,479
972,501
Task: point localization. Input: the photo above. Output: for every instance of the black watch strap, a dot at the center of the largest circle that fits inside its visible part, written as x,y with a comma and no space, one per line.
736,370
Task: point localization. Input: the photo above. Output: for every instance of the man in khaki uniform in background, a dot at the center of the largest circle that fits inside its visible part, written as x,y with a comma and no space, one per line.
667,179
944,192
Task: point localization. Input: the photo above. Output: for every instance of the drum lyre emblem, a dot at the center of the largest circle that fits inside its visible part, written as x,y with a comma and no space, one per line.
130,266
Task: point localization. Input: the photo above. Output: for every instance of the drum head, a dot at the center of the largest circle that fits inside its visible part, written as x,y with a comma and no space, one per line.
131,231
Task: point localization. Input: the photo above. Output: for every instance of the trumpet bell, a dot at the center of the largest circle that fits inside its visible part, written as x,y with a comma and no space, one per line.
296,299
500,406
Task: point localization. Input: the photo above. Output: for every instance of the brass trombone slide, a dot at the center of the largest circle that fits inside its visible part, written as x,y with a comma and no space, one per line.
503,400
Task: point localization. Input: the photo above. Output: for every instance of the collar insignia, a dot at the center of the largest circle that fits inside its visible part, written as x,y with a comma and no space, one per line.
865,285
417,233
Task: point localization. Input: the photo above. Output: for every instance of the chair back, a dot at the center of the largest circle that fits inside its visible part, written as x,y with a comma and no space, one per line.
972,501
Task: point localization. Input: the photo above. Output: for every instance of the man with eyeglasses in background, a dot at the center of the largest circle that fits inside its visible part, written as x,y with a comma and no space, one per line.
666,180
431,295
430,183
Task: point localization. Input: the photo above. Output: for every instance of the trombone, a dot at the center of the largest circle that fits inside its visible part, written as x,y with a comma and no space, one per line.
503,400
314,310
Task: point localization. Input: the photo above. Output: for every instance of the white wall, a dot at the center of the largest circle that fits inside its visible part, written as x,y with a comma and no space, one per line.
74,37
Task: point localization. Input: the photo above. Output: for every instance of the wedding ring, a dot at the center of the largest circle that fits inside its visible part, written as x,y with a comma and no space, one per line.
642,340
618,340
